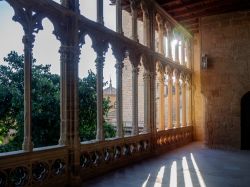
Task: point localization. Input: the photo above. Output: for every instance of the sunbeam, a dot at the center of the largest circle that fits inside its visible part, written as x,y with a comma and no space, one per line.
197,171
146,181
186,173
173,175
159,177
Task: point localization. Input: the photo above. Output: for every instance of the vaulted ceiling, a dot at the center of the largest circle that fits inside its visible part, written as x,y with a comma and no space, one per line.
188,12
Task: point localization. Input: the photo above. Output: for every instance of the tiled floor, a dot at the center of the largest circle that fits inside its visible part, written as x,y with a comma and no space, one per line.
193,165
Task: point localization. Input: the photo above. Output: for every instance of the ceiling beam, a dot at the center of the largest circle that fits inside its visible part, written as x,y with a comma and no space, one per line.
164,3
191,2
214,11
190,21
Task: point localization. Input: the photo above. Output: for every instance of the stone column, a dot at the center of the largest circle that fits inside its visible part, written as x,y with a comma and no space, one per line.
146,79
100,12
146,24
170,38
183,52
135,72
119,17
100,48
188,52
170,98
71,4
183,94
119,54
99,89
177,60
119,117
63,94
28,41
161,33
134,13
161,97
177,97
189,101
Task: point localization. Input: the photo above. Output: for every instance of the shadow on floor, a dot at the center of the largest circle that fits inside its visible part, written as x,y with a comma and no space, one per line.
190,166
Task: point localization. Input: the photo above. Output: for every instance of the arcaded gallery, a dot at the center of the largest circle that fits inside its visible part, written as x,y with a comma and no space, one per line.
125,93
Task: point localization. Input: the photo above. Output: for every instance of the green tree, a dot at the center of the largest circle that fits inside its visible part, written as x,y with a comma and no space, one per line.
88,109
45,104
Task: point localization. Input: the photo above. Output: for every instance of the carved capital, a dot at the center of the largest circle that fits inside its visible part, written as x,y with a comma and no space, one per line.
30,20
69,54
135,70
145,8
169,71
177,74
146,75
28,41
183,77
134,57
168,27
188,80
160,22
119,66
118,51
134,4
160,68
100,46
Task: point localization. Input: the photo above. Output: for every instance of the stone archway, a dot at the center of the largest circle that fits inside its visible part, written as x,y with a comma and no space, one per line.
245,121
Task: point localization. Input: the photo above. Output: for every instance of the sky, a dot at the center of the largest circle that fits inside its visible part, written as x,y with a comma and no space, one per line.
46,45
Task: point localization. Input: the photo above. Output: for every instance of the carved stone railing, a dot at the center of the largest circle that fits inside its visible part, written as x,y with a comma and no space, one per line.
49,166
44,166
172,138
100,157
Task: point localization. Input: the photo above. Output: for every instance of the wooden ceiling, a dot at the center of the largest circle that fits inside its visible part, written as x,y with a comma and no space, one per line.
188,12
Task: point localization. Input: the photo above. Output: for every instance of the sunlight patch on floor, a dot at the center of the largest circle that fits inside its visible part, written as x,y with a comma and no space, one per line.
173,175
186,173
198,173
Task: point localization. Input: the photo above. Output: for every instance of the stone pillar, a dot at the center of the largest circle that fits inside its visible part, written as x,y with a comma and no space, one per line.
188,52
189,101
183,94
28,41
177,97
161,33
161,97
177,60
99,89
63,94
134,13
69,129
119,17
100,48
170,38
170,98
71,4
119,54
100,12
146,24
119,117
135,72
183,62
146,79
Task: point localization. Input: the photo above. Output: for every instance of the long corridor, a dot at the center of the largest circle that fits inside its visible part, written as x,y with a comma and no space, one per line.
192,165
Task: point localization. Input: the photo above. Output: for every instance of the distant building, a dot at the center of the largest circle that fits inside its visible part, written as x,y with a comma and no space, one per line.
110,92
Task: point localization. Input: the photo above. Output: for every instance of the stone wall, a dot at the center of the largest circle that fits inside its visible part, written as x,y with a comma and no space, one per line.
219,89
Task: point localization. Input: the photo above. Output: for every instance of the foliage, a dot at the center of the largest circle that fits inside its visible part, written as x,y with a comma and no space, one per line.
88,107
45,104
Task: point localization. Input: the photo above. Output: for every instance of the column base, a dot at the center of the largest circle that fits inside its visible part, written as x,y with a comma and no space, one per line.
27,145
